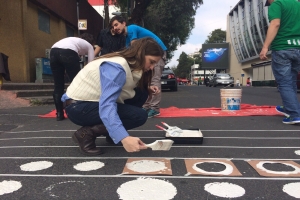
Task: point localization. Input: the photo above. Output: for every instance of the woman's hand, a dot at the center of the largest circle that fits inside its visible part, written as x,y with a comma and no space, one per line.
133,144
154,90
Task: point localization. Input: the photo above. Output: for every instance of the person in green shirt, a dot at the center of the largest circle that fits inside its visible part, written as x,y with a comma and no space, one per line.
283,38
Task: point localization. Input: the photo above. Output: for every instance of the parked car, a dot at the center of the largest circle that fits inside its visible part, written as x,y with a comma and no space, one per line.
221,79
168,79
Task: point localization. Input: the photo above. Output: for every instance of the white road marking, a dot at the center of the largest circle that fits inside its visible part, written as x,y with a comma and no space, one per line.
154,176
89,166
154,130
147,188
292,189
239,138
9,186
139,157
224,189
36,166
146,166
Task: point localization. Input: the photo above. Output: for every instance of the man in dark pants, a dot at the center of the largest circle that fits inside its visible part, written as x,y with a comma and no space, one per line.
64,57
284,38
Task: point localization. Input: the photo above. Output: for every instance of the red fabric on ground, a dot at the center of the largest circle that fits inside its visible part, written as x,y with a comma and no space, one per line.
52,114
246,110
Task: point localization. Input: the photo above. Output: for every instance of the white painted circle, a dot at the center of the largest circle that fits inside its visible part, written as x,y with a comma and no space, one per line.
89,166
224,189
36,166
297,152
292,189
51,187
261,167
147,188
146,166
9,186
228,170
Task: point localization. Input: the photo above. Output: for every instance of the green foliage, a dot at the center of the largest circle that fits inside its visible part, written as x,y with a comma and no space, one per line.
216,36
184,66
171,20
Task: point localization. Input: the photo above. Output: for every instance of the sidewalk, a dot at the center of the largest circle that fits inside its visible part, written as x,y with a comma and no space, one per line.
8,100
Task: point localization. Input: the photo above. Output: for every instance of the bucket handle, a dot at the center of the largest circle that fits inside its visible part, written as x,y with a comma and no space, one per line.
232,84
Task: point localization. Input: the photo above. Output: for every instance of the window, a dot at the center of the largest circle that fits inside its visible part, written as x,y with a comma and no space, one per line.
44,21
70,31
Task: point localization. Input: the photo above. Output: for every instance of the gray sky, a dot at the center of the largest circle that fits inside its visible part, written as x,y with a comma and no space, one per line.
211,15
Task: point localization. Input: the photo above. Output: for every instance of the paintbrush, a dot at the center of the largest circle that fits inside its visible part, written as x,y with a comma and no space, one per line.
173,133
172,128
161,145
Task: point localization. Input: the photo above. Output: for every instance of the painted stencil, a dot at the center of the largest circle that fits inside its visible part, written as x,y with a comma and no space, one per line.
148,166
276,168
195,167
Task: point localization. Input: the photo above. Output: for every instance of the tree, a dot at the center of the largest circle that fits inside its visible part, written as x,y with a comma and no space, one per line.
171,20
184,66
216,36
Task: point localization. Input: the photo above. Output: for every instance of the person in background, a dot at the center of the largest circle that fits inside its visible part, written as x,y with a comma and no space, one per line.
283,38
206,80
108,42
107,95
133,33
248,81
237,82
64,58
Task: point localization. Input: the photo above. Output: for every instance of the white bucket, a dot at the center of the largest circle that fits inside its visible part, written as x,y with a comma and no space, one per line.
231,99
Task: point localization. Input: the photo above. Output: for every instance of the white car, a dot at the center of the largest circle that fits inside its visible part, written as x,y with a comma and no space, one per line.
221,79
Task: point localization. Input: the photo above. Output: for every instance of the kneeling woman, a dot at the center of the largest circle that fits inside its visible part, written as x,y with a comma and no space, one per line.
107,95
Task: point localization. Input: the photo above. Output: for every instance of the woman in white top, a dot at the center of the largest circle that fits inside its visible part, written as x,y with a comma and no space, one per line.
64,57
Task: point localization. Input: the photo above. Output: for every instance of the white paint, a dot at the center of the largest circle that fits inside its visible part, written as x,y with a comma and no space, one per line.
49,189
292,189
187,133
228,170
9,186
147,188
261,167
89,166
146,166
224,189
297,152
36,166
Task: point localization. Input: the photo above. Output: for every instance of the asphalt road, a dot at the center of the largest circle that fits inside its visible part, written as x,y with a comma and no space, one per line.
27,139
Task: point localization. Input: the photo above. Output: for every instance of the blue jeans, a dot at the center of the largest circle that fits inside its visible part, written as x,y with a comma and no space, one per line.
285,66
86,113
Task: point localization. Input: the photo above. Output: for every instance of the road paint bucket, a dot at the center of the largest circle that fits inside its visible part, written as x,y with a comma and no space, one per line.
231,99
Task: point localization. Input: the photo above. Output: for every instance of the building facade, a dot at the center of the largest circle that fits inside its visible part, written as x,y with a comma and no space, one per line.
29,27
247,26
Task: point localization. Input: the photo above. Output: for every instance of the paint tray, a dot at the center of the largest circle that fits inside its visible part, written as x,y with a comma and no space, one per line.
188,136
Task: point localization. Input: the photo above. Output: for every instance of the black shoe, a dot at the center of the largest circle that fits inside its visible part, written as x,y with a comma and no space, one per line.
60,115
